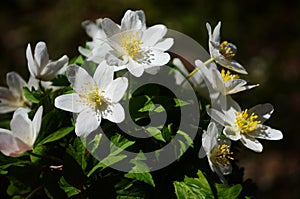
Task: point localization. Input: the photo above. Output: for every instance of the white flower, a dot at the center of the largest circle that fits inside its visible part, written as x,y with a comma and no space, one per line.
95,98
95,31
223,52
23,132
217,151
135,47
247,125
12,98
224,82
39,65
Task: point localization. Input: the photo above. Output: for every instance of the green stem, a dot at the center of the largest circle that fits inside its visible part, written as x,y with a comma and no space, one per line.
209,60
33,192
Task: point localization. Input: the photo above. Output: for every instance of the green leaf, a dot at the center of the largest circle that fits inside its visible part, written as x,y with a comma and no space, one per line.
77,60
17,188
57,135
141,170
69,189
118,144
193,188
95,142
228,192
30,96
156,133
187,138
78,151
60,80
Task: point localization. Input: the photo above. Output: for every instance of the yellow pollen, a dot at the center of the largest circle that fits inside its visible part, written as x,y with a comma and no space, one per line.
228,76
221,154
226,50
95,99
131,43
245,122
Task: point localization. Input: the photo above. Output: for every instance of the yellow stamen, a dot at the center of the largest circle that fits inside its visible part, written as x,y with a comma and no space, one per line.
227,50
228,76
221,154
95,99
245,122
131,43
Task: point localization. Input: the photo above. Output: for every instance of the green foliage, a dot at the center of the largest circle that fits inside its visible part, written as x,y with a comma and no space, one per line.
199,188
32,96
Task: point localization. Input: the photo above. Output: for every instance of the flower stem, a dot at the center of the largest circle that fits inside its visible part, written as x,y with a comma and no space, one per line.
209,61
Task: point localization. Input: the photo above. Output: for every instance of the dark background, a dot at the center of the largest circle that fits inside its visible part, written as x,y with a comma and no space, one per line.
267,34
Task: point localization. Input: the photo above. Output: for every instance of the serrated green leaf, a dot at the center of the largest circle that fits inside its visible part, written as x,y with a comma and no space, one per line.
155,133
57,135
187,138
228,192
78,151
29,95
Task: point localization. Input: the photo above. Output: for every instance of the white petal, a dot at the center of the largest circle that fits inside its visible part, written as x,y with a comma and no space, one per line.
116,113
267,133
158,58
209,137
164,44
41,55
15,83
10,145
232,133
217,115
263,111
218,82
21,126
153,34
36,123
54,68
116,90
252,143
5,94
70,102
32,65
90,28
135,69
87,121
133,20
104,75
216,34
80,80
232,64
109,27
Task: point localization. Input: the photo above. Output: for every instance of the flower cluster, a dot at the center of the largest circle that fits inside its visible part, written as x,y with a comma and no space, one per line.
94,96
228,120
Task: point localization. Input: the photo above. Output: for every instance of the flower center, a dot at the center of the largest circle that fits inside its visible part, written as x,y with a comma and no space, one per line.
245,122
95,99
221,154
228,50
131,43
228,76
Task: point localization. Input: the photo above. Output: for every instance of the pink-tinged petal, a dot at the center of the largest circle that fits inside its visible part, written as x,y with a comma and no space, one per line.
252,143
104,75
263,111
41,55
232,133
21,126
80,80
36,123
32,65
70,102
153,34
86,122
15,83
116,90
11,145
115,114
164,44
133,20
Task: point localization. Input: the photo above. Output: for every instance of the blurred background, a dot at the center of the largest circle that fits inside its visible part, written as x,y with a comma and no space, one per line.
267,34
